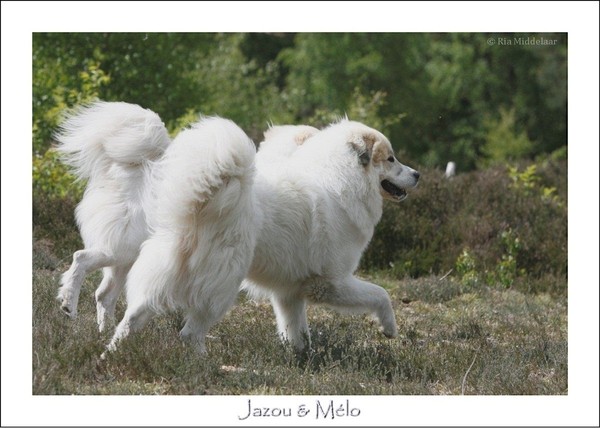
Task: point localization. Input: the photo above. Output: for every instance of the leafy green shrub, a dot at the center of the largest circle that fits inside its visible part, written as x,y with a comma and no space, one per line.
233,86
504,142
525,181
466,267
53,178
528,182
505,272
55,91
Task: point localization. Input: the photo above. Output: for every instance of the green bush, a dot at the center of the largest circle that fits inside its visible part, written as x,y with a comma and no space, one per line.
458,97
55,92
504,142
466,268
52,178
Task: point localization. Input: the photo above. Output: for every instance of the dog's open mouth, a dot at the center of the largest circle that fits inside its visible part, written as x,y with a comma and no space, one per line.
396,193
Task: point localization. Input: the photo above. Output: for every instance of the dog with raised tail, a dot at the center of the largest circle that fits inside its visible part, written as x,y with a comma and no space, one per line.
113,146
172,220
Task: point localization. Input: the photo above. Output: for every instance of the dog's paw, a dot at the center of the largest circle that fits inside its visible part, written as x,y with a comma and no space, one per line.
199,347
390,331
198,344
67,303
68,310
110,348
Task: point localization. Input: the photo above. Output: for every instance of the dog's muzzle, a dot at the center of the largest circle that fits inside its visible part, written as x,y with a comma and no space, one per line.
396,193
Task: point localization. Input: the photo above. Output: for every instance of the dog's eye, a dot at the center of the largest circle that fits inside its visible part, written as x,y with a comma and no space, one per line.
390,159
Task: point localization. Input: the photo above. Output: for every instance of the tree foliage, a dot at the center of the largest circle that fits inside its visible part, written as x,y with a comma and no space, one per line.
439,97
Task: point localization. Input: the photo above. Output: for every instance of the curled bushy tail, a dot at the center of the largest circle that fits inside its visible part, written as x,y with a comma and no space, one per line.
203,221
212,155
102,133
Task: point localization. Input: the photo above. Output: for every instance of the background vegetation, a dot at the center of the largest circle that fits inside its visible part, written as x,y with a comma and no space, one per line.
476,265
439,97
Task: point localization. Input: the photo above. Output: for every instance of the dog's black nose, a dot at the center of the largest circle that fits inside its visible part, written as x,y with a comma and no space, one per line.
416,174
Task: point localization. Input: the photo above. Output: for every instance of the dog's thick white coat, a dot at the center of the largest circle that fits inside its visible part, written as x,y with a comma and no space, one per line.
296,228
202,239
113,146
320,203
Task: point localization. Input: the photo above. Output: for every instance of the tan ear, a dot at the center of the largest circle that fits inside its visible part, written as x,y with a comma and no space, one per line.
370,139
304,133
363,152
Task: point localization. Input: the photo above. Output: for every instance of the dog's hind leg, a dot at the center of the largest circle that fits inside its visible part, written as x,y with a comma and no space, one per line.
197,325
292,325
135,318
355,296
108,293
198,321
84,262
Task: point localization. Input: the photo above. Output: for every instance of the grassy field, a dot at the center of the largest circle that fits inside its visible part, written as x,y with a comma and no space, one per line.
478,282
453,340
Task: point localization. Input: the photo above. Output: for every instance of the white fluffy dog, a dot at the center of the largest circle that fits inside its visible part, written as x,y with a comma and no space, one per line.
320,195
175,220
113,146
295,228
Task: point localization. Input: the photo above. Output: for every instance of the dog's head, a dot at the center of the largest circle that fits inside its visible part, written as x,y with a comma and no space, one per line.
374,152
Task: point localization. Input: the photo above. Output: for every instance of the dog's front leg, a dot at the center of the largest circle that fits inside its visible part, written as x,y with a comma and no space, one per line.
355,296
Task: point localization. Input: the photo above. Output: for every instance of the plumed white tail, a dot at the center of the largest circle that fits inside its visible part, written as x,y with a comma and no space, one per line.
213,155
102,133
203,224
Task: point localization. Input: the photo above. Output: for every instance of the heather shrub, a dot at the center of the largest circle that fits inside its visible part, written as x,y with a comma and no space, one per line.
484,226
506,228
54,224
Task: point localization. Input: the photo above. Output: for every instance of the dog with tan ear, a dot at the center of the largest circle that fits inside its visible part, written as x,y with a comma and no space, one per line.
320,196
